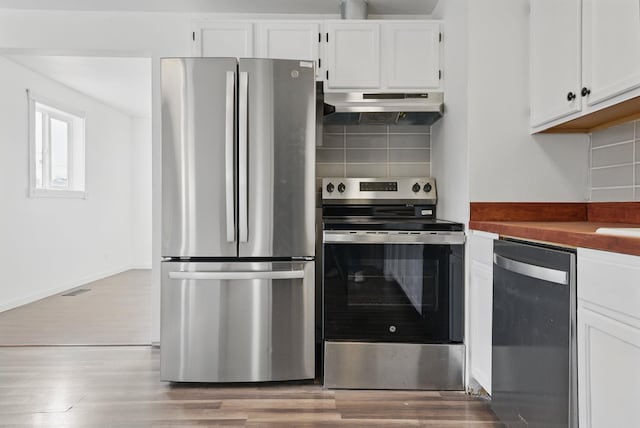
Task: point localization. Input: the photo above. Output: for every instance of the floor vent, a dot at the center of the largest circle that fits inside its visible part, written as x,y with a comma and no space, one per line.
76,292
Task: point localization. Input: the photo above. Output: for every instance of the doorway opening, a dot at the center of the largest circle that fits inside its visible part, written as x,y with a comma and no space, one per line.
78,185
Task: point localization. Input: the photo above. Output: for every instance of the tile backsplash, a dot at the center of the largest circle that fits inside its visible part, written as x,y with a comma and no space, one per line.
615,163
374,151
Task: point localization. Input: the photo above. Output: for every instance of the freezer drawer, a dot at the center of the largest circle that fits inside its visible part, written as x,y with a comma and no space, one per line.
237,322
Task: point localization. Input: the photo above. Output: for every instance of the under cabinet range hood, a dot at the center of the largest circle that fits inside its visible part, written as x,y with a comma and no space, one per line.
355,108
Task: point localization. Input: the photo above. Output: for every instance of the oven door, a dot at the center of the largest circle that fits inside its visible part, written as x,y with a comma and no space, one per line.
393,286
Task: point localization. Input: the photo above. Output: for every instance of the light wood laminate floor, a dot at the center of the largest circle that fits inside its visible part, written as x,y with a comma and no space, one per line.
116,311
121,387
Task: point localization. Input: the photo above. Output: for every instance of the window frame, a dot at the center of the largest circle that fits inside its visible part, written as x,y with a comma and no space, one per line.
76,126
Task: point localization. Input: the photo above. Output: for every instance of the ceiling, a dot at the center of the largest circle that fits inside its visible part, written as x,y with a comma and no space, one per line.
376,7
122,83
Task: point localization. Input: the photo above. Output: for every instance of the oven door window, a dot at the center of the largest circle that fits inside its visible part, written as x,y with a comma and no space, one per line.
387,292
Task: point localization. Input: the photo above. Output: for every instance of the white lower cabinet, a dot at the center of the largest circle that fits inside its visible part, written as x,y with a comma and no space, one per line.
480,303
608,339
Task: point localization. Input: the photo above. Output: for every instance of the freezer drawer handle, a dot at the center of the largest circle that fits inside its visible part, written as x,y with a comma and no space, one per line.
287,274
533,271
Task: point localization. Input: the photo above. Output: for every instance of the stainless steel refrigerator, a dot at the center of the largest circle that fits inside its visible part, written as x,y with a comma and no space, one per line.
238,177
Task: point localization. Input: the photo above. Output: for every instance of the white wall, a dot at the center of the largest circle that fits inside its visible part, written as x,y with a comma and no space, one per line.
109,34
141,193
52,244
482,149
505,162
449,136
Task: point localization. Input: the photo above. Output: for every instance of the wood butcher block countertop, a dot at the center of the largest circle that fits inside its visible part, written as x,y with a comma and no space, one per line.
565,224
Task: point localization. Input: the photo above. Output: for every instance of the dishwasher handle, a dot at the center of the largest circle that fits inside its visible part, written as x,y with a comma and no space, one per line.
534,271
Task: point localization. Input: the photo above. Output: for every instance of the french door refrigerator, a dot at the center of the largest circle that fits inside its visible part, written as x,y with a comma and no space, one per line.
238,233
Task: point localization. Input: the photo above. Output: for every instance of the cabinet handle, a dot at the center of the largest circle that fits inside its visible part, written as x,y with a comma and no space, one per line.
585,91
571,96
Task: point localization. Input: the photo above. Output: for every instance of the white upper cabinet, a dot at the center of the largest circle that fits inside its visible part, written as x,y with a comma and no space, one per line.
385,56
353,55
349,55
611,48
411,55
223,39
585,56
289,40
555,60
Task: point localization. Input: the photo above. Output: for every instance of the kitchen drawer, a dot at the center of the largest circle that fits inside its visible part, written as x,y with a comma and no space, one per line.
610,282
481,247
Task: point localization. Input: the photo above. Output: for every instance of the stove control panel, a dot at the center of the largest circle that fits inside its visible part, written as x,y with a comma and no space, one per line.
402,190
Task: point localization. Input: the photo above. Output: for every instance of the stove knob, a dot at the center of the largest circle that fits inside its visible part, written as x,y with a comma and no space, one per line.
341,187
416,187
428,187
330,187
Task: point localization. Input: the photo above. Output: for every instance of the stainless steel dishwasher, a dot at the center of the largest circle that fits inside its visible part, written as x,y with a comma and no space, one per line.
534,372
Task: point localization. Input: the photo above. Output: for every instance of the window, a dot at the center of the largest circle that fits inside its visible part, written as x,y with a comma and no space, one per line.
57,161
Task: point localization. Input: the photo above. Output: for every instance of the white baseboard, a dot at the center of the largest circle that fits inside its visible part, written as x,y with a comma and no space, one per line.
60,288
138,267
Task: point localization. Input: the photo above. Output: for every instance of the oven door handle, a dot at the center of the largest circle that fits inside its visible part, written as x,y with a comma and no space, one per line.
395,237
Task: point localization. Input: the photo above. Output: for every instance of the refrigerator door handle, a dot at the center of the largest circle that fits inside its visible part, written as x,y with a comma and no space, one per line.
243,142
287,274
228,152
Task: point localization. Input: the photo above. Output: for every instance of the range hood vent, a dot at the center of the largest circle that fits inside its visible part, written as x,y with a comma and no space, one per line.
353,9
358,108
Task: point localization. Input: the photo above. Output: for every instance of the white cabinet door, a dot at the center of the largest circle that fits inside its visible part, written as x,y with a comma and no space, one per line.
288,40
611,48
353,55
608,339
223,39
609,373
555,60
480,316
480,253
411,55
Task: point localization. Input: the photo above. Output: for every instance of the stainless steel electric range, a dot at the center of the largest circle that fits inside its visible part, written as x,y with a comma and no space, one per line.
393,286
